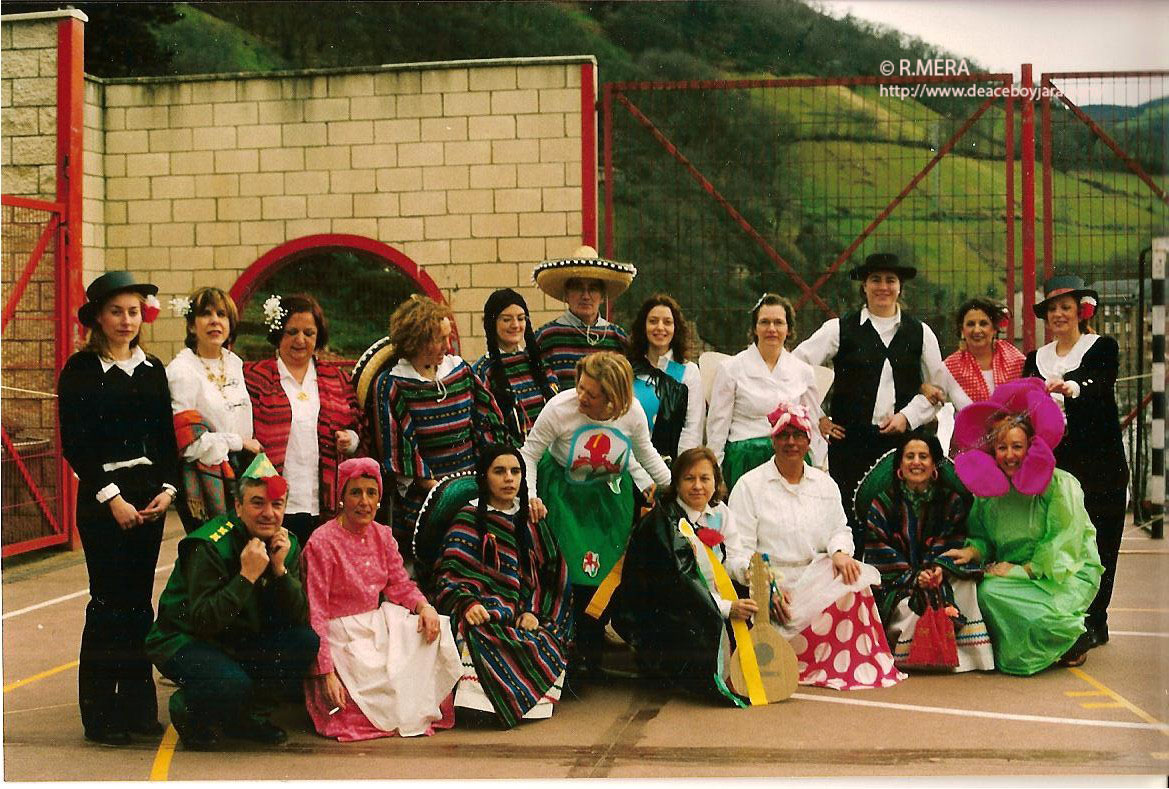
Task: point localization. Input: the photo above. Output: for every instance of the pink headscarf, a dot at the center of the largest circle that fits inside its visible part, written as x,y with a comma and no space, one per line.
359,467
790,414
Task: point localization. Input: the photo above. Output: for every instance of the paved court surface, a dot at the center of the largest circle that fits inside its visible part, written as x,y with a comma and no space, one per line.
1108,717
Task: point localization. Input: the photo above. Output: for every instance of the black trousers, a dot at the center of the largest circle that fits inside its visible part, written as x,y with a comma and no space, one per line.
1106,509
115,681
849,459
589,641
302,524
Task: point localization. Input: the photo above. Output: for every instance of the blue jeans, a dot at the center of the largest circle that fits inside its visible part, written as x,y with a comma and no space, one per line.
217,687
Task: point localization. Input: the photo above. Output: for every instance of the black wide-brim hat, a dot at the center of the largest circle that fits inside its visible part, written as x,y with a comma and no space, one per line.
1062,285
882,261
107,286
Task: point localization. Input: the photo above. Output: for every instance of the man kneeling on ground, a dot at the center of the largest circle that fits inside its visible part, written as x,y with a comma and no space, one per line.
232,629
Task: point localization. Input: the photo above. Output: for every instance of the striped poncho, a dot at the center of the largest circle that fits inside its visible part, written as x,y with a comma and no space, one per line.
900,543
430,429
481,564
529,397
565,340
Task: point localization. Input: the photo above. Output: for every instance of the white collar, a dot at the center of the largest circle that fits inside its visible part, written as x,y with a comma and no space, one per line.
774,475
757,358
403,369
571,319
310,374
664,360
893,319
512,510
1052,365
137,357
694,516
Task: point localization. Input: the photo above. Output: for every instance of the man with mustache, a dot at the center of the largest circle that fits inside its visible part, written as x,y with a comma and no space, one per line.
232,629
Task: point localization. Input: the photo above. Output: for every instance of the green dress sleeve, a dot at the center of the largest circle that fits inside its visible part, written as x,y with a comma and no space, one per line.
1067,531
977,536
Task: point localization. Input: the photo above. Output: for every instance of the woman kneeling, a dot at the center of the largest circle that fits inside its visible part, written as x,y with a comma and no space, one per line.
1030,529
502,579
381,670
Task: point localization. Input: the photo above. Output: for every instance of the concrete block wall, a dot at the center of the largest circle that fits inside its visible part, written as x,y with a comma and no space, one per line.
28,106
473,170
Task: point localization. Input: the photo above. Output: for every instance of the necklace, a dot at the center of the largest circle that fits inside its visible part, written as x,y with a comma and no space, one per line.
590,338
219,378
302,395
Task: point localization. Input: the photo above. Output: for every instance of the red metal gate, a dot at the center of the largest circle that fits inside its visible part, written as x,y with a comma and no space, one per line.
776,184
38,486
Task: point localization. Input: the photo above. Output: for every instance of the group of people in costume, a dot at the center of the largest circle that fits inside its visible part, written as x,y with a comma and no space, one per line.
425,536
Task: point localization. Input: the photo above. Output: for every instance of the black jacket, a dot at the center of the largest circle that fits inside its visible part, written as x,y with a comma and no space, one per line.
1092,449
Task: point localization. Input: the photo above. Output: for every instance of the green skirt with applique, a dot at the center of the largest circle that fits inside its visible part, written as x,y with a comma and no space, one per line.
741,456
590,521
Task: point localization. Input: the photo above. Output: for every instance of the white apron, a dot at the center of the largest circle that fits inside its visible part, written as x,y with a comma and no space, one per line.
390,672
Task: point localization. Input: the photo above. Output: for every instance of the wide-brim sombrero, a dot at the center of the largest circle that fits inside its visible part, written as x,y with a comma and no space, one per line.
883,473
552,275
439,507
365,371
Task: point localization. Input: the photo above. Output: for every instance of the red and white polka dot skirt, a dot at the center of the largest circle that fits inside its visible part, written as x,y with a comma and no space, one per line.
845,647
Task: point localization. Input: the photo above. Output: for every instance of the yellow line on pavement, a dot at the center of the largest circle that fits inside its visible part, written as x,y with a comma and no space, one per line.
1101,705
160,770
1083,693
20,683
1134,709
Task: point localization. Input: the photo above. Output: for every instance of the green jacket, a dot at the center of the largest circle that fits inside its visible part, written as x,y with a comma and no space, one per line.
206,598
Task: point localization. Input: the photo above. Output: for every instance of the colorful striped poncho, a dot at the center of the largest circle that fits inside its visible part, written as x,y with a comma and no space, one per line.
564,341
429,429
529,397
900,543
481,564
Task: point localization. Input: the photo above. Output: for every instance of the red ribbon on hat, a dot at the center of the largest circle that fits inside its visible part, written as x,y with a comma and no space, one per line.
276,486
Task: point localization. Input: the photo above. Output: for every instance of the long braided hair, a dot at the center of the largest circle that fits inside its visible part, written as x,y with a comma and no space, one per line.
497,381
524,547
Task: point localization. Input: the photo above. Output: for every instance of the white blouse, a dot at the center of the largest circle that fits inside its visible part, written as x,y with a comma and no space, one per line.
1054,367
302,457
792,524
822,346
228,411
691,435
561,418
745,391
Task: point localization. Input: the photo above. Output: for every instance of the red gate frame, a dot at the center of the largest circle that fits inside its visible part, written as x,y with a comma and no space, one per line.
617,90
66,224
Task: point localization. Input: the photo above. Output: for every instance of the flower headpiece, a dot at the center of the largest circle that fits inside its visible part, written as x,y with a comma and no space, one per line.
790,414
181,306
975,428
150,309
274,313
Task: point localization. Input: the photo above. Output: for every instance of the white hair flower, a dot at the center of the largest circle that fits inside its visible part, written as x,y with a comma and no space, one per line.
274,313
180,306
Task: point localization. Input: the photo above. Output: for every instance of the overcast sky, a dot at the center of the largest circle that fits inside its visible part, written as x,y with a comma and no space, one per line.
1052,35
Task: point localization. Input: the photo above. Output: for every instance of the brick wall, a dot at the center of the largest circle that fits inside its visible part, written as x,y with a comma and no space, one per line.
471,169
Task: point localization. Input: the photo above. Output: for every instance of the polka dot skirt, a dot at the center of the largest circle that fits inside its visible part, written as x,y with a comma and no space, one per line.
845,648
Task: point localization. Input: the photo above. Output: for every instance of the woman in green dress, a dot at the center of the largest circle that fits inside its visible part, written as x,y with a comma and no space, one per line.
1028,528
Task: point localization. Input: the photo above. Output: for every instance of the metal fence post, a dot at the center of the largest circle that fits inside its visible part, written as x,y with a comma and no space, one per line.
1027,144
1157,434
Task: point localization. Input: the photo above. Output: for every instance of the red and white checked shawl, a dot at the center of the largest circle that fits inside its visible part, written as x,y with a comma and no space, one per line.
1006,364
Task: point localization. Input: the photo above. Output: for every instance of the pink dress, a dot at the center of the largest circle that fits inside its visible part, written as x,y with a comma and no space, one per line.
346,573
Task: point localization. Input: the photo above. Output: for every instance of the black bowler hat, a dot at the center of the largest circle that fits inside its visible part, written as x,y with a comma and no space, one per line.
882,261
106,286
1064,285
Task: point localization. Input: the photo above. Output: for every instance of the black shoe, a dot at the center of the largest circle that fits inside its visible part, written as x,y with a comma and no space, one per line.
1099,634
194,736
111,737
261,731
148,729
1078,652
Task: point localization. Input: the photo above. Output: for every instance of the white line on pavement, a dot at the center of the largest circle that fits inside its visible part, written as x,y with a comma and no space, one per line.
63,598
981,714
1137,633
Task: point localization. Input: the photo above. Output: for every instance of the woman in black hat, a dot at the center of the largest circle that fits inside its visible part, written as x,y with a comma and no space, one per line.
117,434
881,357
1080,369
512,367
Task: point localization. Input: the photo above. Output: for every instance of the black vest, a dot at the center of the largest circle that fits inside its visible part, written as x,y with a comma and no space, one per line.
858,366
